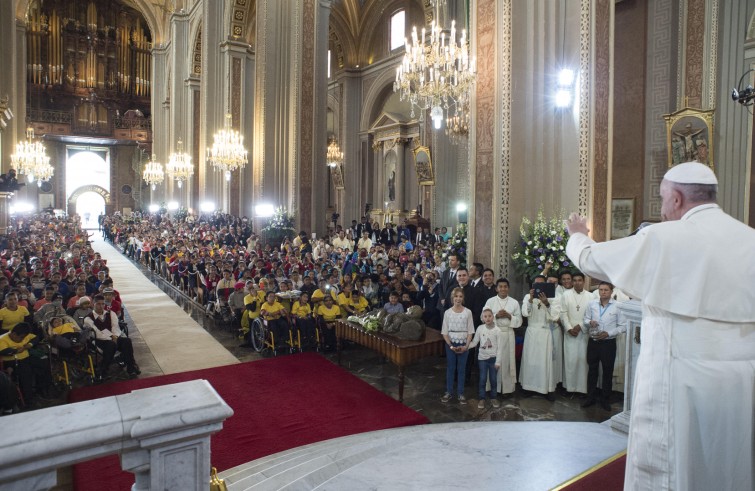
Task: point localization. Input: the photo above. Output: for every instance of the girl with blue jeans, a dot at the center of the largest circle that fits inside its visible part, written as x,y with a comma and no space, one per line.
457,331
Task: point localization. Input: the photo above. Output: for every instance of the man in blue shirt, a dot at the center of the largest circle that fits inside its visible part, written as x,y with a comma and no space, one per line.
601,323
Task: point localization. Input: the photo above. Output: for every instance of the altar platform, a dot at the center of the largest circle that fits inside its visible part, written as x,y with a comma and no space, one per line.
482,456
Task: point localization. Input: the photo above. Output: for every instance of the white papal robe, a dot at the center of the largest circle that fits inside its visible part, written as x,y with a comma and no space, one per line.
572,307
693,410
536,371
507,373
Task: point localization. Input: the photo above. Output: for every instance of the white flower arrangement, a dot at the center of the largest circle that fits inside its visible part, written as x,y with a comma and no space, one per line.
541,242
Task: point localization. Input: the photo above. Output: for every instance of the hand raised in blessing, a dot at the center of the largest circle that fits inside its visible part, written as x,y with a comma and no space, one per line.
577,224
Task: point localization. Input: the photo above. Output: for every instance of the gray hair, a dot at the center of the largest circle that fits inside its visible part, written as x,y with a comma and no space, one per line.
698,193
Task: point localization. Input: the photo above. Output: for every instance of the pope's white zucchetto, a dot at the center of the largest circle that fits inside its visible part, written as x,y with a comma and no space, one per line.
691,173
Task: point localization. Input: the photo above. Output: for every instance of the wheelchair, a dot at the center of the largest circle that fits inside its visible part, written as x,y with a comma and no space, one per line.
263,338
76,363
317,334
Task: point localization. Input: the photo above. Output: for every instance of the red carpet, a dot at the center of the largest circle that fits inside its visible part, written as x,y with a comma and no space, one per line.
279,403
609,477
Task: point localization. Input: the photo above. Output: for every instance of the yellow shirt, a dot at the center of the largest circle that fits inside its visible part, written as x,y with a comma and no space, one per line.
253,314
300,310
63,329
10,318
343,300
359,306
328,314
6,342
273,311
319,295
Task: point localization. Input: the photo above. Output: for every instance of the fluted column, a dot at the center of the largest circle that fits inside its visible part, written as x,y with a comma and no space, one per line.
161,129
179,97
213,96
354,177
12,79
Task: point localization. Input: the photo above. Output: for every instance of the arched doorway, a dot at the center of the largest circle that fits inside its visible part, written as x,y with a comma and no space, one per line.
88,202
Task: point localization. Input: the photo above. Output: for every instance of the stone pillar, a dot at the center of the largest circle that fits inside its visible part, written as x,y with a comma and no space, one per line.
353,173
237,57
278,97
193,114
161,134
5,198
401,180
213,96
179,97
12,79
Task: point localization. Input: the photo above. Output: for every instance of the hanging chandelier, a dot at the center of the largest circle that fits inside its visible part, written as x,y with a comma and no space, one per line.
437,75
179,165
335,155
31,159
228,153
153,173
457,126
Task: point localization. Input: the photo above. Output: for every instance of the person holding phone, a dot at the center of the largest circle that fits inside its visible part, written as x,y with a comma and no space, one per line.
537,372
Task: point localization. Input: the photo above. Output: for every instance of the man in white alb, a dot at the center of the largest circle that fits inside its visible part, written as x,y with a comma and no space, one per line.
572,311
693,417
508,316
537,372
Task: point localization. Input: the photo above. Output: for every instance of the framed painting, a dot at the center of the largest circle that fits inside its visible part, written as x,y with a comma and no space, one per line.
424,165
689,137
622,217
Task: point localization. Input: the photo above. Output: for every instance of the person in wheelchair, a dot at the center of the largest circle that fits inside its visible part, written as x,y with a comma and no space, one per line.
302,314
276,317
252,304
109,338
327,314
358,304
31,372
66,335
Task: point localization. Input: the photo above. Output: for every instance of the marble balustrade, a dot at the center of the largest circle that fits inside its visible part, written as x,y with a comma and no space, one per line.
162,435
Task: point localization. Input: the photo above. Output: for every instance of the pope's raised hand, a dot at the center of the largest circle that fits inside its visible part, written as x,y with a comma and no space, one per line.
577,224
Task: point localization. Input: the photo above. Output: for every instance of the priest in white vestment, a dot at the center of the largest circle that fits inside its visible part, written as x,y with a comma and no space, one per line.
507,316
572,306
536,371
692,416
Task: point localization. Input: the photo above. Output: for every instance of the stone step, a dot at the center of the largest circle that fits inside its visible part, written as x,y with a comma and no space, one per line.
310,466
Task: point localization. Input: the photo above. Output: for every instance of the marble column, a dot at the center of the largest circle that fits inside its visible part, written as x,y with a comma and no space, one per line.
161,134
213,96
179,97
236,54
194,116
354,176
12,79
277,100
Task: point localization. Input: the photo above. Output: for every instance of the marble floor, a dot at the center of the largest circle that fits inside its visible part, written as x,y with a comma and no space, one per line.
425,381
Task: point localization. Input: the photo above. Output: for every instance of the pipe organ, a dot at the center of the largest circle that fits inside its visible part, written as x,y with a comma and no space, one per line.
80,47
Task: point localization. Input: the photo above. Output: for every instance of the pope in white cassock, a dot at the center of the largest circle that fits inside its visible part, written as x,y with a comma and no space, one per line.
692,413
572,306
507,316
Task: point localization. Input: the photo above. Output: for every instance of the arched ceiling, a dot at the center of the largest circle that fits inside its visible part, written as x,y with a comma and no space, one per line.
352,23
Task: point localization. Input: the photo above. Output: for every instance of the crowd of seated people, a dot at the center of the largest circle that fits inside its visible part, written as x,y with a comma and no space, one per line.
51,287
218,259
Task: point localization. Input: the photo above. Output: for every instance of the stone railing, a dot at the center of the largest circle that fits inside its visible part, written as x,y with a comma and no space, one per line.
162,435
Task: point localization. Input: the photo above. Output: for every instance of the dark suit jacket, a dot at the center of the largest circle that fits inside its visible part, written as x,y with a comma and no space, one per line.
447,284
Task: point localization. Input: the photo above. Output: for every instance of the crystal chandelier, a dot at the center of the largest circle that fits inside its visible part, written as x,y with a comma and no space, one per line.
457,126
179,165
228,153
31,159
438,75
335,155
153,172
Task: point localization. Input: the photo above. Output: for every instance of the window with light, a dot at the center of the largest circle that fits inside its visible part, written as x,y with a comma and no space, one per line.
398,29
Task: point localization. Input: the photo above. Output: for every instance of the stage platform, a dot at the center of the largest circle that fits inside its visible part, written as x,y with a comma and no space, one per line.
480,456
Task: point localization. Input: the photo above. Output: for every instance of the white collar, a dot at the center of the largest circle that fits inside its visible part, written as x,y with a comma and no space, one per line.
698,208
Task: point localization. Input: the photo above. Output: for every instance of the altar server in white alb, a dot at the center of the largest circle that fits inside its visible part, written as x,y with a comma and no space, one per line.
537,372
508,316
694,396
572,307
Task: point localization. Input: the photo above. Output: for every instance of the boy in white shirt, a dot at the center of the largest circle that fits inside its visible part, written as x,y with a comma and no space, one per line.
489,356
